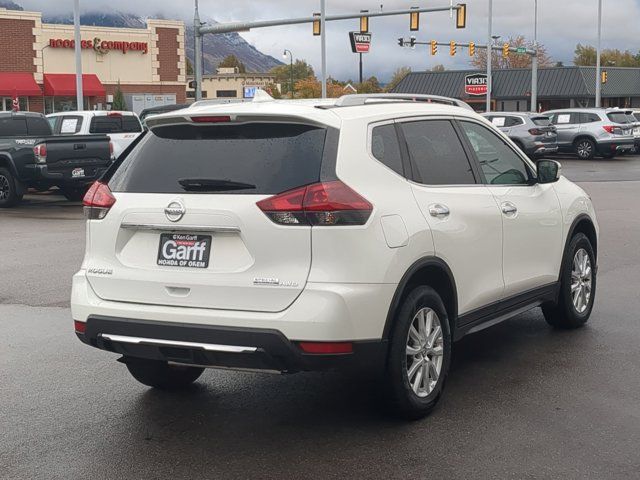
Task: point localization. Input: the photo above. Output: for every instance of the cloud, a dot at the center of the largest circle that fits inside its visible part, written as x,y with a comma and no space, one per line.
562,24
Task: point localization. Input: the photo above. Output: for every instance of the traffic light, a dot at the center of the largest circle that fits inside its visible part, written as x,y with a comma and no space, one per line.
461,15
364,22
505,50
316,25
412,42
414,21
452,48
472,49
401,42
603,76
434,47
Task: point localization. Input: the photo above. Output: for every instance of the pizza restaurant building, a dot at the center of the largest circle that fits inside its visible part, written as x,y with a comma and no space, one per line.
37,65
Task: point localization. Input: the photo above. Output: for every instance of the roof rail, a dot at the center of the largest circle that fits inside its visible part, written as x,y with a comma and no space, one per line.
365,98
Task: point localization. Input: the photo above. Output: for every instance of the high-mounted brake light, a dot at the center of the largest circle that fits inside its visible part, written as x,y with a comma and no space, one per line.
114,114
320,204
40,152
97,201
211,119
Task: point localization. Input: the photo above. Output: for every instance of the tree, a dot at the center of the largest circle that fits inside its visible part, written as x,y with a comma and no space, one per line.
397,77
438,68
585,56
514,60
312,88
301,70
119,102
370,85
231,61
189,66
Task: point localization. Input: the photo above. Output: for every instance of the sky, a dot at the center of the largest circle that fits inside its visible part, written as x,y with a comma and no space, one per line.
561,25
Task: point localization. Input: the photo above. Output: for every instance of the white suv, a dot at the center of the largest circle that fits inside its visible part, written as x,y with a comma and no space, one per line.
370,231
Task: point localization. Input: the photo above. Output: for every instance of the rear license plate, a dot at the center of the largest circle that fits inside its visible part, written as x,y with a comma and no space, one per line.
77,173
184,250
549,134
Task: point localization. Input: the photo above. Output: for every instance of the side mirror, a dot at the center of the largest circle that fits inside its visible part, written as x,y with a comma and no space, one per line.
549,171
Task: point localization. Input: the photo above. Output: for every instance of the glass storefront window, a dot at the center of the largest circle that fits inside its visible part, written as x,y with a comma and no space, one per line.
62,104
6,104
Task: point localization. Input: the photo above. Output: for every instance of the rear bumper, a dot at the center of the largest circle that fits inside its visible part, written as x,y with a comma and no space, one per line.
543,149
615,146
222,347
42,174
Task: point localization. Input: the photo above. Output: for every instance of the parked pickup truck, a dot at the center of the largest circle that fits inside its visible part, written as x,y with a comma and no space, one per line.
32,157
120,126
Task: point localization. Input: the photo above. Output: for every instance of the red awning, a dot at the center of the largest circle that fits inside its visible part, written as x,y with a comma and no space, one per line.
20,84
64,85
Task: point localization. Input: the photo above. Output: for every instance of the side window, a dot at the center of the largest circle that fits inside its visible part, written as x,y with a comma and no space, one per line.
588,118
563,118
70,124
575,118
437,156
385,147
513,121
499,121
38,126
499,163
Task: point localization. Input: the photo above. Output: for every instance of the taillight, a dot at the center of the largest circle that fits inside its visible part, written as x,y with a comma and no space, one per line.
40,152
97,201
320,204
536,131
612,129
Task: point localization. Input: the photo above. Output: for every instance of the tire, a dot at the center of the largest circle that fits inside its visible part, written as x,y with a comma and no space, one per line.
9,195
585,148
74,194
161,375
569,313
402,399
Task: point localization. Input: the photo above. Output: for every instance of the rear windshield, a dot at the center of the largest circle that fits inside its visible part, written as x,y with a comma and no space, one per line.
637,115
269,157
114,124
541,121
618,117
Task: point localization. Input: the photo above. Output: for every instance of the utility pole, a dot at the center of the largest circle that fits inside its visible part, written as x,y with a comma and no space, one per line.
598,66
323,48
489,56
534,60
78,52
197,56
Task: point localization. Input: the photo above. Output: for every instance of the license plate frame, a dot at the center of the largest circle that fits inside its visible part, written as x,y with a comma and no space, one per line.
187,250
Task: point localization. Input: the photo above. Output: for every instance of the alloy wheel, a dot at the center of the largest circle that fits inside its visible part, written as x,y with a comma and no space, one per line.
424,350
4,187
581,280
584,149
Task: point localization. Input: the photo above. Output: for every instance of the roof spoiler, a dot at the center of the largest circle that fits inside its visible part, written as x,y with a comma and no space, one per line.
365,98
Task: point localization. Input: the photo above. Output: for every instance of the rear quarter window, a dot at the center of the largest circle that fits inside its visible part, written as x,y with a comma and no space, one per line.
386,148
273,157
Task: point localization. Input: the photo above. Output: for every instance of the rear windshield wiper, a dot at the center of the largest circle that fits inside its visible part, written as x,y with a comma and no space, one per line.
212,185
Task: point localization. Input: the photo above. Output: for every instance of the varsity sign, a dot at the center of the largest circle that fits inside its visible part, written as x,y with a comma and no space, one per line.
475,84
360,42
100,46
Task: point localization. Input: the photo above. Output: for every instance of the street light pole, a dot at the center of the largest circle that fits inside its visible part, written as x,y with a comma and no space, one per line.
78,52
323,48
197,55
598,66
290,70
534,60
489,56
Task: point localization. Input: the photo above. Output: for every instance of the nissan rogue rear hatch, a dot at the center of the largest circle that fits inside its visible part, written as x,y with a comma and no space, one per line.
185,229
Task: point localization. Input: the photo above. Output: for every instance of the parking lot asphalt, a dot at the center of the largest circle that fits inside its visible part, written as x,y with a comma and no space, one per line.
522,400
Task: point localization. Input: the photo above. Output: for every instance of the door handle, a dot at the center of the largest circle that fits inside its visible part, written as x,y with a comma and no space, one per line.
438,210
509,208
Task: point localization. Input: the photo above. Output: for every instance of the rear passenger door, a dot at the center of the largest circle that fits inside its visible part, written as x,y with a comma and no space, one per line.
568,126
460,211
531,216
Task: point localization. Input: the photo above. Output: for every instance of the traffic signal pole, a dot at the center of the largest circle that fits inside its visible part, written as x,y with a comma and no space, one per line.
598,65
489,56
534,61
246,26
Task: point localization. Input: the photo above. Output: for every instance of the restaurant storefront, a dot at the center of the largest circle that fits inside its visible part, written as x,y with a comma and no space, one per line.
39,66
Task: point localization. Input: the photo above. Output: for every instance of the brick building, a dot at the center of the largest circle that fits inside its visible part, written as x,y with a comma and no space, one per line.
38,64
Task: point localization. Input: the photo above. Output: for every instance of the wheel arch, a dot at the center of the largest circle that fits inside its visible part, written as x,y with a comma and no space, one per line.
583,136
7,162
433,272
583,224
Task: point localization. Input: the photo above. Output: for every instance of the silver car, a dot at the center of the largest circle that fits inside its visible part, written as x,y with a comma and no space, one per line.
532,132
592,131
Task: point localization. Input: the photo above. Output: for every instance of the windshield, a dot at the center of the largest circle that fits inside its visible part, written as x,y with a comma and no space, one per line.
252,158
